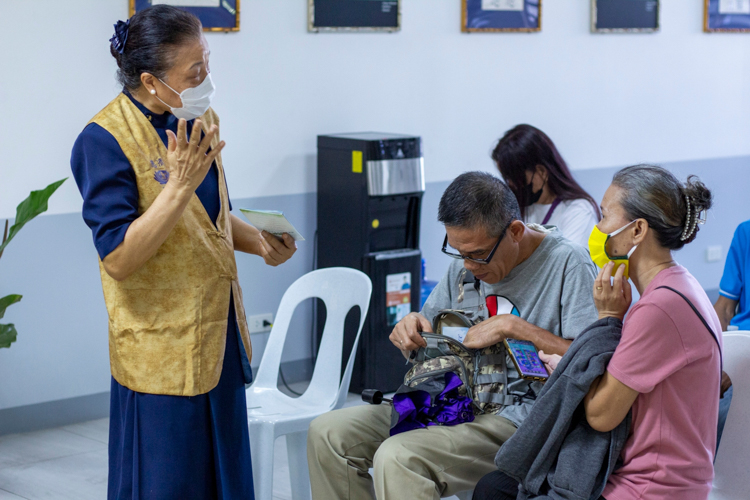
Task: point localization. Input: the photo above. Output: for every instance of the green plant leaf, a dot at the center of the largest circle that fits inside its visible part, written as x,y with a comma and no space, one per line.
29,208
7,301
8,335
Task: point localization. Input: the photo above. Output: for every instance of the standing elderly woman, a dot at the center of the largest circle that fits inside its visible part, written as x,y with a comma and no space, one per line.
154,195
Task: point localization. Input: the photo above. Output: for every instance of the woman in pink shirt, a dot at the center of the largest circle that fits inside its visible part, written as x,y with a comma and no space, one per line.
667,368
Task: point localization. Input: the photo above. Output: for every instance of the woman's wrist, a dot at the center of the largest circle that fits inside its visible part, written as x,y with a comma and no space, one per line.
179,193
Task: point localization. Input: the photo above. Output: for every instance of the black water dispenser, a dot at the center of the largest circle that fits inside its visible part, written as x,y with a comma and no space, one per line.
370,188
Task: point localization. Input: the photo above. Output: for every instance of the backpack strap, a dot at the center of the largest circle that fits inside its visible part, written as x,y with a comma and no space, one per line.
492,397
505,398
703,320
491,359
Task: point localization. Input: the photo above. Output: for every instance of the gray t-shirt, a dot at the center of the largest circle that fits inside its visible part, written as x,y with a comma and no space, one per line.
552,289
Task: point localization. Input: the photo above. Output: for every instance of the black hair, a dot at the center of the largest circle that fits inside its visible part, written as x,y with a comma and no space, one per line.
670,207
152,36
524,147
478,199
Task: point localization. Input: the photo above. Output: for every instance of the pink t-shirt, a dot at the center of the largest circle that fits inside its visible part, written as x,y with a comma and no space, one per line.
668,356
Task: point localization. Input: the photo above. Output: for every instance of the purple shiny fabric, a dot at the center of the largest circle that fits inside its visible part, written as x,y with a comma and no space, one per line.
416,409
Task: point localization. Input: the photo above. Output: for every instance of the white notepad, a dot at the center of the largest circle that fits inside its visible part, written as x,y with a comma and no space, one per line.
455,332
272,221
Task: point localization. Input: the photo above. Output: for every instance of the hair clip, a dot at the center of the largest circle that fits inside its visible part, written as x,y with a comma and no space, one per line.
686,229
121,36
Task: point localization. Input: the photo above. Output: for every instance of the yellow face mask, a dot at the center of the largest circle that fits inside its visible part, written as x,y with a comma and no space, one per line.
598,250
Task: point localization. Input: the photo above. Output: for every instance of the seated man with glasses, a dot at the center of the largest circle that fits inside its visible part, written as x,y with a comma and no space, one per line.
525,282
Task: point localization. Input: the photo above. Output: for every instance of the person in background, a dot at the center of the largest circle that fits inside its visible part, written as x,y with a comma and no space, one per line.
733,304
150,172
544,187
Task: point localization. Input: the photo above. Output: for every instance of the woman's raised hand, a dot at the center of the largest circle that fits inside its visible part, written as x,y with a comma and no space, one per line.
187,161
612,297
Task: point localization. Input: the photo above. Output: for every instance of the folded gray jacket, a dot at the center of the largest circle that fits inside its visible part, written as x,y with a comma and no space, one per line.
555,453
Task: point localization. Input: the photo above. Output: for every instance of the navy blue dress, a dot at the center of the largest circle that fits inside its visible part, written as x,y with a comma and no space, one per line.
165,447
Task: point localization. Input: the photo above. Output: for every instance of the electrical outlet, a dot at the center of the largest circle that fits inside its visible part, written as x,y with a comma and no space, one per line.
713,253
260,323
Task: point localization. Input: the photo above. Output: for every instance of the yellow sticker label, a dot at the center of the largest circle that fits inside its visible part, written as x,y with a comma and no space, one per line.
375,223
357,162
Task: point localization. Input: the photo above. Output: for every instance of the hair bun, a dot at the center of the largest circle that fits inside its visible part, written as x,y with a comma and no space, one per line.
700,195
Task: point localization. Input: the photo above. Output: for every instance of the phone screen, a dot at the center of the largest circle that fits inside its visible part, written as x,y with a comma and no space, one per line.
527,358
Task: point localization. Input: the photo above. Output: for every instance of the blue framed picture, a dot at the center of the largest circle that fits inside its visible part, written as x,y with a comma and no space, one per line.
726,16
501,15
215,15
353,15
624,16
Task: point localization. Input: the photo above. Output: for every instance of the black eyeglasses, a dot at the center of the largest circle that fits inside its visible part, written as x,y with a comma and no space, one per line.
478,261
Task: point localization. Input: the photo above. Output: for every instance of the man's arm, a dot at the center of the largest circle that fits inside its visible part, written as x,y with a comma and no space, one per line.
726,308
498,328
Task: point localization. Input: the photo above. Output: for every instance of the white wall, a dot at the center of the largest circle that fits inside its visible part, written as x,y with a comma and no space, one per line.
604,99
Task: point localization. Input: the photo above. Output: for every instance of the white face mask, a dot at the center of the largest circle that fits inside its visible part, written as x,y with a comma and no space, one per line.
195,100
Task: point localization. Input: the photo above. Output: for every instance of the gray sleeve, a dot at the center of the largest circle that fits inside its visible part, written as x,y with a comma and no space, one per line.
577,310
439,299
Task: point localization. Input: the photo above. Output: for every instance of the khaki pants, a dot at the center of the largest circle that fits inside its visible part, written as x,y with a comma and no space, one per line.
428,463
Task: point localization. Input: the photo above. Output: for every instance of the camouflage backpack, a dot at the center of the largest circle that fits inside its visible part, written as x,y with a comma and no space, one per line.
482,371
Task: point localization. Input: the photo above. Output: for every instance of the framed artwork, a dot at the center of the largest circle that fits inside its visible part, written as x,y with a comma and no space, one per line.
501,15
353,15
726,16
215,15
625,16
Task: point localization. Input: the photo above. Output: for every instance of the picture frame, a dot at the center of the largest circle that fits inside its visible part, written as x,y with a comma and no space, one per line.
353,16
625,16
735,17
215,15
501,16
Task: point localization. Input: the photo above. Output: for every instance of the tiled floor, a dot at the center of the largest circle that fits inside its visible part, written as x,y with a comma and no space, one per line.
70,463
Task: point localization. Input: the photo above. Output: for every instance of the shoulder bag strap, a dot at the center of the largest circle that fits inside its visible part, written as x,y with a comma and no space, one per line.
705,323
551,210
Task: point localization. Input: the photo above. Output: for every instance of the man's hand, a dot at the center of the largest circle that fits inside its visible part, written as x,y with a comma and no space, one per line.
725,309
491,331
726,383
275,250
405,334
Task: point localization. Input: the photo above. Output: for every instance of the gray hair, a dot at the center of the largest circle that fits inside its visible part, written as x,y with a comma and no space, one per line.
672,209
479,199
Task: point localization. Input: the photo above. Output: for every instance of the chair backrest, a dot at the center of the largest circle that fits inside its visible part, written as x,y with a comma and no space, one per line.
340,289
732,478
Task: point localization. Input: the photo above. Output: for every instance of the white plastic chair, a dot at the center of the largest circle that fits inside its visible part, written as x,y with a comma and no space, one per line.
732,476
272,413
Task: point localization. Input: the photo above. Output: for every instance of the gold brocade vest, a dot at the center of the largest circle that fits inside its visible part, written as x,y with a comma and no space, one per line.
168,320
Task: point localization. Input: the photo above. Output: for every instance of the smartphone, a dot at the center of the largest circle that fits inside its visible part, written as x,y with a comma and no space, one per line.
526,359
